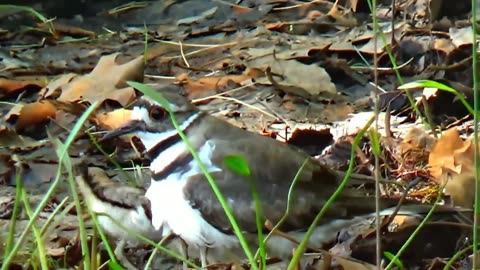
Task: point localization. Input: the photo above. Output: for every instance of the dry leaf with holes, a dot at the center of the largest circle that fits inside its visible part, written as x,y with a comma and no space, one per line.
107,81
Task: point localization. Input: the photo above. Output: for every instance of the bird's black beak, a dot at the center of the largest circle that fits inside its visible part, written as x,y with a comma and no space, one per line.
130,127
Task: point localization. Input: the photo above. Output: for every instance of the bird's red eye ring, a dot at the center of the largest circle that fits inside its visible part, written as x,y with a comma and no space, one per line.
157,113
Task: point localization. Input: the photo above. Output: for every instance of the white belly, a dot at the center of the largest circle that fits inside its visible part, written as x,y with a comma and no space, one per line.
172,212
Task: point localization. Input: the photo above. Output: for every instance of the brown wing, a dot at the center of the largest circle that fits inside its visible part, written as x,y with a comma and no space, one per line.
273,179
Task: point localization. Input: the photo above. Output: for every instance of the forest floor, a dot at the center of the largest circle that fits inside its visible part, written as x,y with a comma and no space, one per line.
304,72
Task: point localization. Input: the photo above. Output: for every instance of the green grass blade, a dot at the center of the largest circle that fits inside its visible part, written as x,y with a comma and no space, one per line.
397,262
439,86
16,209
42,256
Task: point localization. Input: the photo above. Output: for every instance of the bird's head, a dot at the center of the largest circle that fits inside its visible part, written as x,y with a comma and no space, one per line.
151,122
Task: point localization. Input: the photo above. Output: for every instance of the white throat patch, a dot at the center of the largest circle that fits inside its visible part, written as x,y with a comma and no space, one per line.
150,139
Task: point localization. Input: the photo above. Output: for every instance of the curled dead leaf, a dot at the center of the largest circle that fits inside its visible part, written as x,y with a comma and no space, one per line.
442,159
35,113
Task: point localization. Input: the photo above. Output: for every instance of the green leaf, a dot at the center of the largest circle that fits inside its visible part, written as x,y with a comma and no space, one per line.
439,86
114,266
149,91
375,142
428,83
396,261
238,164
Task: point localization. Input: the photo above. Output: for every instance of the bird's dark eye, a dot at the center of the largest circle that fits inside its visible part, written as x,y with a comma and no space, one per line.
157,113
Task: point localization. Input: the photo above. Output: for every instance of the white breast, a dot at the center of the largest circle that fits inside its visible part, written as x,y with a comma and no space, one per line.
171,211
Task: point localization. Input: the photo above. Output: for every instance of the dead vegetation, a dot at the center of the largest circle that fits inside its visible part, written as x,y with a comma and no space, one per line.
301,72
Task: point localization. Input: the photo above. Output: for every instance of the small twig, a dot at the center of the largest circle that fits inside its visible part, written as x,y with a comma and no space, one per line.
247,105
183,55
305,4
400,202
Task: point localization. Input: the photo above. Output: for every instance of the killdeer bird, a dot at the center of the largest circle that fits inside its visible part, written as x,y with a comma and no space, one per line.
183,202
123,204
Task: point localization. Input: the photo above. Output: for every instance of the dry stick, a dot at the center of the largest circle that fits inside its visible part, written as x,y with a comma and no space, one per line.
223,93
458,122
183,55
404,196
448,67
308,3
377,158
368,68
247,105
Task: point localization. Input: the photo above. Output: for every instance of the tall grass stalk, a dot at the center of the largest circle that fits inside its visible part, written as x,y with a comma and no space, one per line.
374,138
42,256
16,209
475,131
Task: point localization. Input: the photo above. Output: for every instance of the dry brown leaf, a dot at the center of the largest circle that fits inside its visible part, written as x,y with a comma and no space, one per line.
441,159
35,113
107,81
205,86
11,87
460,184
54,88
114,119
444,45
353,5
238,10
464,155
293,76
